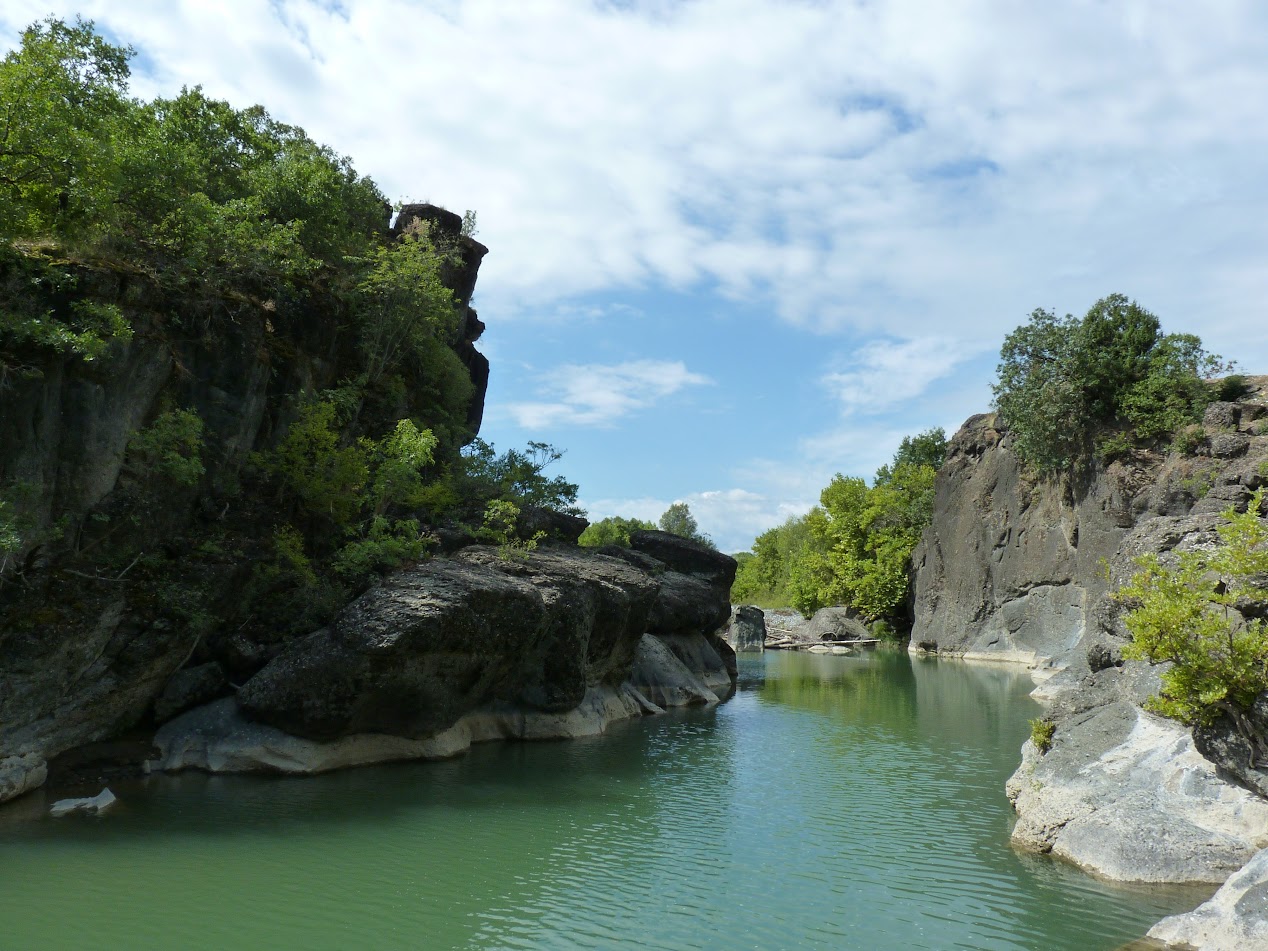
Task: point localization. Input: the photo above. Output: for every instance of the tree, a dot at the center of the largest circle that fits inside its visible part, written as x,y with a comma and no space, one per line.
678,520
1186,614
62,96
613,530
927,448
1109,381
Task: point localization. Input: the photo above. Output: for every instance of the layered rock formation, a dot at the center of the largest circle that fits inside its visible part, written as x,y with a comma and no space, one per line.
1020,571
482,646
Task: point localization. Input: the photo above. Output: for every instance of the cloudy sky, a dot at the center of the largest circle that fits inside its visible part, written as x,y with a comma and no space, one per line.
740,245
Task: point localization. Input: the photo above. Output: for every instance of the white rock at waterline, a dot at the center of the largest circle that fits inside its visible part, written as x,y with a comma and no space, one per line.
21,774
1235,918
92,806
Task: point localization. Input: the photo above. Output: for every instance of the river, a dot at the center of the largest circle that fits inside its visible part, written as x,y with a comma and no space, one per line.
834,802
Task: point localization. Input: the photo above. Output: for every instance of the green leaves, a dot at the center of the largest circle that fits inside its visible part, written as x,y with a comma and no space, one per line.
1185,614
854,547
1065,384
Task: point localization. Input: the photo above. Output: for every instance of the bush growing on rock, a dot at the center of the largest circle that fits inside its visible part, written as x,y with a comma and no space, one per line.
1108,381
1186,614
614,530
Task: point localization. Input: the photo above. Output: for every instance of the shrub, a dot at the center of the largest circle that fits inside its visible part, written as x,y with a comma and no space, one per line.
1185,614
171,446
1041,734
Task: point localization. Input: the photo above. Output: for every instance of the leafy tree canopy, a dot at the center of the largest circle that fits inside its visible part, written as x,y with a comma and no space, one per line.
1110,380
678,520
614,530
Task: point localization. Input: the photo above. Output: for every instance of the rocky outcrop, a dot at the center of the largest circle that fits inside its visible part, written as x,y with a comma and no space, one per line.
747,631
483,646
412,656
1018,570
128,575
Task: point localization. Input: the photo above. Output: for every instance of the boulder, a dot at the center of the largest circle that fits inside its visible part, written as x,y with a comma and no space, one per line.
748,629
684,555
189,688
21,774
836,624
413,655
557,526
92,806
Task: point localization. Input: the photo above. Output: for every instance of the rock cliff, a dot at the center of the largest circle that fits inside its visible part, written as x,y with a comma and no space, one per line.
1016,570
89,638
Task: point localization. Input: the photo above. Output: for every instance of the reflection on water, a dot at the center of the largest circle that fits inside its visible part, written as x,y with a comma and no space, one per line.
835,802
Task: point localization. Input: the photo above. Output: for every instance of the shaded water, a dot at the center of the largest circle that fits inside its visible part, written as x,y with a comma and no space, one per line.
835,802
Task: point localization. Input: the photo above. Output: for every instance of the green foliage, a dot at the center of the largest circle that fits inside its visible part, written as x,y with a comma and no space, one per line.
515,475
927,448
1112,377
62,99
614,530
678,520
500,517
405,310
1041,734
171,446
1232,388
325,475
854,547
1184,613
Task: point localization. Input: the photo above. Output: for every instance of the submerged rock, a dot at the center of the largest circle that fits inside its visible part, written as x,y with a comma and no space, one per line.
92,806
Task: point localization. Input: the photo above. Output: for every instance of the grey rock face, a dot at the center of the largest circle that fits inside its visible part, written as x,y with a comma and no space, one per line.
413,655
748,629
190,688
220,739
1227,748
1235,918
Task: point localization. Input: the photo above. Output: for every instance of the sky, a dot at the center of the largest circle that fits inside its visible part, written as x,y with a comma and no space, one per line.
737,246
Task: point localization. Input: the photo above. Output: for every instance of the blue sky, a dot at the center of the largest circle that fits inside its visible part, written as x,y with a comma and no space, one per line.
740,245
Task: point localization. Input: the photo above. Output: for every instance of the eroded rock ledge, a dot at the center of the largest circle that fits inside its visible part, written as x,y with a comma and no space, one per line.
557,644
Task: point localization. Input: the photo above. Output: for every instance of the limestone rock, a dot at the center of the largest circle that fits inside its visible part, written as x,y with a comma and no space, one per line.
431,644
1126,795
1223,745
92,806
747,631
189,688
665,680
836,624
21,774
1234,919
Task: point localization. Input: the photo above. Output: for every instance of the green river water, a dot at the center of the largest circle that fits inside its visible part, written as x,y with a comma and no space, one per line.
834,802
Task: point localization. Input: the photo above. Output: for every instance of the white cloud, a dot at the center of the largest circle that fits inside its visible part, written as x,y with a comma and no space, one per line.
597,395
907,167
882,374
